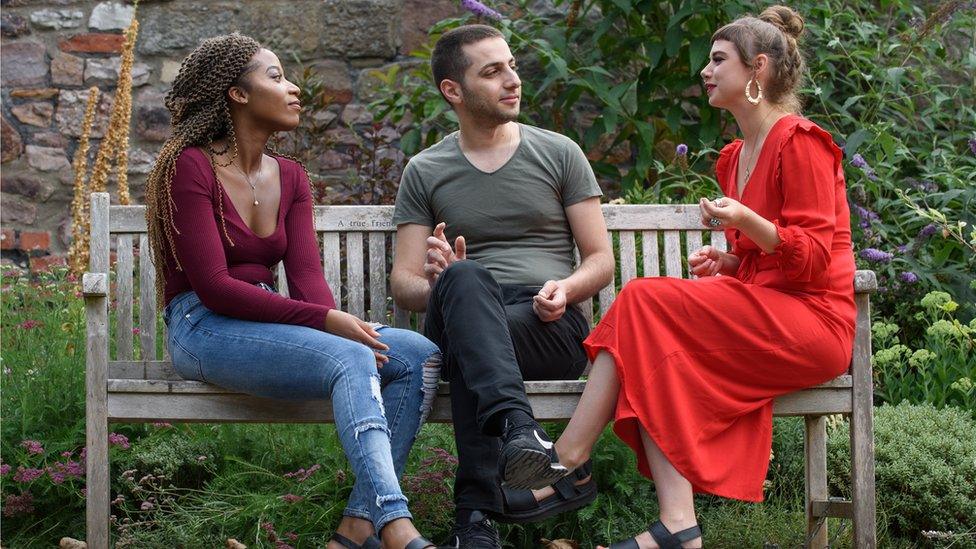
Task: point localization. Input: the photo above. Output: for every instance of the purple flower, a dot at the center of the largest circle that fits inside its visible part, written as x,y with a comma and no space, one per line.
858,162
18,505
4,469
972,145
875,255
27,474
681,150
302,474
116,439
925,185
291,498
927,231
908,277
33,447
146,506
480,9
903,248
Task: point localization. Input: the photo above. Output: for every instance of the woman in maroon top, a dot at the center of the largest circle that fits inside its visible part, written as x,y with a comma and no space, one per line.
221,213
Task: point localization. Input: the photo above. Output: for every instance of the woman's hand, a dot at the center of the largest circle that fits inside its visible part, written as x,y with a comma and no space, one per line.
722,213
345,325
709,261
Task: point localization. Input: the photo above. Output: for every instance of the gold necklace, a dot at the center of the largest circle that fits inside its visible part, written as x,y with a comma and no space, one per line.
755,143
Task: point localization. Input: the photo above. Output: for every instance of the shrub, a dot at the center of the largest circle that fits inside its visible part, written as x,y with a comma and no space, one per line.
925,461
941,369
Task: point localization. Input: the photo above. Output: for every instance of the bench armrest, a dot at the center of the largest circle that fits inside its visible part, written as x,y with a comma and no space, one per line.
865,282
94,285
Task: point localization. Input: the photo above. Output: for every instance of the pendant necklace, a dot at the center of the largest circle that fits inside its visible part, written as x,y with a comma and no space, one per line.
254,194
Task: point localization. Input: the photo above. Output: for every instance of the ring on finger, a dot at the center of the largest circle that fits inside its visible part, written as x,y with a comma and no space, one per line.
714,222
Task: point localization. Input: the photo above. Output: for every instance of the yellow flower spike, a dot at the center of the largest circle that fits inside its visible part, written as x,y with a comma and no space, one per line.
78,253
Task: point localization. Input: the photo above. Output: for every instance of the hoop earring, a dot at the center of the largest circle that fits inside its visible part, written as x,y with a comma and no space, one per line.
759,95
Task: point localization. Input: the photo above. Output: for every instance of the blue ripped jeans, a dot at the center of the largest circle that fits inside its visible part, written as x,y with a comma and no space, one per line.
378,411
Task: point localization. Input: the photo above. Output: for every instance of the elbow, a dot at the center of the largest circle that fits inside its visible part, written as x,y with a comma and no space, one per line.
607,267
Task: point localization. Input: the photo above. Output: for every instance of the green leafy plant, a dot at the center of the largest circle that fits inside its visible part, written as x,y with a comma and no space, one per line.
940,371
925,462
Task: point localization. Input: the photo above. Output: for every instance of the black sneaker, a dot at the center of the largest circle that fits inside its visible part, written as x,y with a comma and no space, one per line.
528,458
474,535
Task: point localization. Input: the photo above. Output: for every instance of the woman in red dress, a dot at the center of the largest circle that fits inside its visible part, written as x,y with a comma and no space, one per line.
688,369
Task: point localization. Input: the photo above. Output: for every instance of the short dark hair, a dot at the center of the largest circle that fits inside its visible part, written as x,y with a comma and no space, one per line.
448,61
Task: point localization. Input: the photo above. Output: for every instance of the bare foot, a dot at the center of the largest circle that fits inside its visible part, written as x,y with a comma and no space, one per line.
356,529
542,494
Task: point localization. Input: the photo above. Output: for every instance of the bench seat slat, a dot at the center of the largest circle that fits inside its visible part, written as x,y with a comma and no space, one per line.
149,400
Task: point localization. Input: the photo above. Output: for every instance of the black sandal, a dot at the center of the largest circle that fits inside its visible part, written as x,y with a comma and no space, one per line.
520,506
372,542
664,538
419,542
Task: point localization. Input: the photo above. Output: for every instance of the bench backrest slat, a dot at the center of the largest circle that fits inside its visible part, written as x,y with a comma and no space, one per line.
377,277
123,296
628,257
652,260
147,300
354,274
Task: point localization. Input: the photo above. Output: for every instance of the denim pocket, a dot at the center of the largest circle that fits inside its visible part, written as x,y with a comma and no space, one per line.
194,311
185,363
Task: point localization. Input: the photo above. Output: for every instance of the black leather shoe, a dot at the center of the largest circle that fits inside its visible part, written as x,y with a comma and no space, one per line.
480,534
528,458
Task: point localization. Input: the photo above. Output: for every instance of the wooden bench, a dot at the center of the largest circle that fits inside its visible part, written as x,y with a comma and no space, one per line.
138,385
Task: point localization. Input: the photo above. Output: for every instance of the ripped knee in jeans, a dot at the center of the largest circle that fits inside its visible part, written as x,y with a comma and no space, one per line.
431,376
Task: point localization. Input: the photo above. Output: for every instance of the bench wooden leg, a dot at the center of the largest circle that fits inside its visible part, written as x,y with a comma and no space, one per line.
815,465
862,431
862,473
96,424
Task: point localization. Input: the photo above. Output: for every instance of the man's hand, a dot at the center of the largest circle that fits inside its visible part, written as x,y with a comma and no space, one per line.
345,325
550,303
440,255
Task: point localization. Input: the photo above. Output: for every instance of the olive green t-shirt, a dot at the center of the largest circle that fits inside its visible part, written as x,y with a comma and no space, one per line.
513,219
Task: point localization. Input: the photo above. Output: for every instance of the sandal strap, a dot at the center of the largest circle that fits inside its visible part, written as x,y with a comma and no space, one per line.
626,544
419,542
344,541
668,540
567,488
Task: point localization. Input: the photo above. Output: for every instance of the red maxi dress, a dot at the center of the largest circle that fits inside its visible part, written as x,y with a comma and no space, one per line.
700,361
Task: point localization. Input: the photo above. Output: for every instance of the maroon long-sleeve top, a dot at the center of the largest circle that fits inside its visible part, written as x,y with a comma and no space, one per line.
224,276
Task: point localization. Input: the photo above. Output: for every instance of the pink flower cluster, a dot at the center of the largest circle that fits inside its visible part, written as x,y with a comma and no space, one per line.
302,474
121,441
18,505
27,474
30,324
291,498
269,529
33,447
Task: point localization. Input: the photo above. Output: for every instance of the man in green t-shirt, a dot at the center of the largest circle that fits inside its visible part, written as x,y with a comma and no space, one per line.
487,222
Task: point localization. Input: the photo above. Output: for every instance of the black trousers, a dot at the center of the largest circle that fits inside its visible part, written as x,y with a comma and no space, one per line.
492,340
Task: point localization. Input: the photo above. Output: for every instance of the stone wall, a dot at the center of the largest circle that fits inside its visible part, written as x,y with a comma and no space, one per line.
54,50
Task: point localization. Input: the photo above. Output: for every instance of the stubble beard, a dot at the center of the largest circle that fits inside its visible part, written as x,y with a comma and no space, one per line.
488,112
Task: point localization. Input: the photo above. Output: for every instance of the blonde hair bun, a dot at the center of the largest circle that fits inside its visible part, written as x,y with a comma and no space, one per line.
785,19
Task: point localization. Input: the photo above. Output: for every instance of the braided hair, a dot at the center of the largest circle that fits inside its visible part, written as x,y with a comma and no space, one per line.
200,112
774,33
